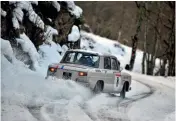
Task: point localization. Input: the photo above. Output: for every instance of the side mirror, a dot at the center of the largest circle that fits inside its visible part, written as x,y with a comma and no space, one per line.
121,69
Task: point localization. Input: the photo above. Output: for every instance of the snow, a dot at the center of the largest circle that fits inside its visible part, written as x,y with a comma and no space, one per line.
77,11
74,35
33,17
73,9
3,13
64,48
34,2
170,117
49,54
49,19
18,13
56,5
70,4
16,113
156,107
7,50
29,48
48,34
23,89
15,23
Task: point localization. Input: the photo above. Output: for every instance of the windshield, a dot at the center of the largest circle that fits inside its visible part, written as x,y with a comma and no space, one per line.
82,58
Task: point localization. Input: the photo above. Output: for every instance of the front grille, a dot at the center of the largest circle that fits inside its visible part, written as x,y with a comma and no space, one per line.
67,75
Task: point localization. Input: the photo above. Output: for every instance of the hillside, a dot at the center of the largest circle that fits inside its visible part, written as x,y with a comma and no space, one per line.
117,20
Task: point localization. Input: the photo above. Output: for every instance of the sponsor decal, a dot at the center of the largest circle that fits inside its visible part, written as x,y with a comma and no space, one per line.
97,70
62,67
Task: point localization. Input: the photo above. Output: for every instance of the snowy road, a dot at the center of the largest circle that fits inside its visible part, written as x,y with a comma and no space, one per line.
102,107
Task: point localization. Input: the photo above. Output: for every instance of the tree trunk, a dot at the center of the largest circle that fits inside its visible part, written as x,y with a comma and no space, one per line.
162,69
143,63
135,37
145,41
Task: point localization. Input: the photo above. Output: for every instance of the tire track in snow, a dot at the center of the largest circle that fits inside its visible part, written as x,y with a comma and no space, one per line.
125,105
119,113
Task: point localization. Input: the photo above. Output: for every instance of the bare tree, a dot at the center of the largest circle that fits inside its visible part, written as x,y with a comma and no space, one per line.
135,37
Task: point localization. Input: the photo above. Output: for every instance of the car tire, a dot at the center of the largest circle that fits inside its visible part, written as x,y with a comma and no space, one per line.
123,92
98,88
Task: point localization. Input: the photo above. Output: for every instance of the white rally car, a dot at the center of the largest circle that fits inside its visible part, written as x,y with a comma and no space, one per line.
100,72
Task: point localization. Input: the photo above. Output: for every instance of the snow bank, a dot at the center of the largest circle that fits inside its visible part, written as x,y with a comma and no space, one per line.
25,88
74,35
170,117
3,13
29,48
73,9
16,113
7,50
18,14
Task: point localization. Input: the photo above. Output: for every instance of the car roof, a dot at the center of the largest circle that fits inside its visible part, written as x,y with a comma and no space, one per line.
93,52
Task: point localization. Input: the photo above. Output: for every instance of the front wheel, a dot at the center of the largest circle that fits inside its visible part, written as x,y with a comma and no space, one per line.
123,92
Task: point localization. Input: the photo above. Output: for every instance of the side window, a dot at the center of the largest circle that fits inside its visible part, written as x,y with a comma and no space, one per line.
107,63
115,65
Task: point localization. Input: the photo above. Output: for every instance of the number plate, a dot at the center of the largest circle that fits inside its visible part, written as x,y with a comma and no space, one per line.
67,75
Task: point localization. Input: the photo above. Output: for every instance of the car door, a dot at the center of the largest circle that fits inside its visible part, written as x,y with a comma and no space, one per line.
115,67
109,81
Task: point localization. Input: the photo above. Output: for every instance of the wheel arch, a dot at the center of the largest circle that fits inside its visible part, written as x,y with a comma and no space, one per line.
126,84
102,83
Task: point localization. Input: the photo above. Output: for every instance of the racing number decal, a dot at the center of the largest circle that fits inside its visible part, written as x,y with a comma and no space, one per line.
117,80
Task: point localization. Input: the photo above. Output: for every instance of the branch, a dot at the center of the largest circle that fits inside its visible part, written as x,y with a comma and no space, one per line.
170,28
137,4
166,43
